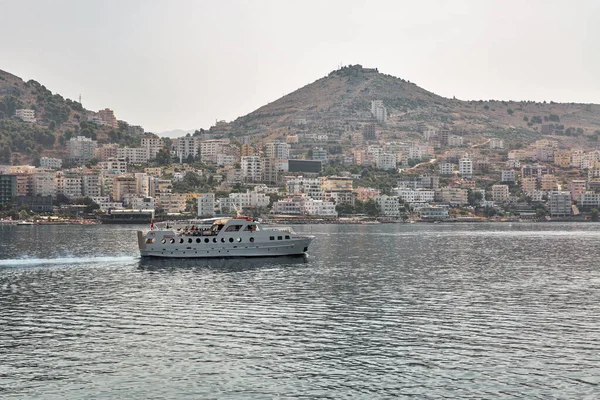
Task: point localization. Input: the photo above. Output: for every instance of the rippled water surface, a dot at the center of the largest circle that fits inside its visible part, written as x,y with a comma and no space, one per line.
374,311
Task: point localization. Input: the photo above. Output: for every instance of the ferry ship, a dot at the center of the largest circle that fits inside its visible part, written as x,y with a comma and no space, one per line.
221,238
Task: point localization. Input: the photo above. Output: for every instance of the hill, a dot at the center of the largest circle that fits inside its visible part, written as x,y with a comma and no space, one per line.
57,120
341,102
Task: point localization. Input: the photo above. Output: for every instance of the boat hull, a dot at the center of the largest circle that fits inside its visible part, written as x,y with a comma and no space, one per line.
294,246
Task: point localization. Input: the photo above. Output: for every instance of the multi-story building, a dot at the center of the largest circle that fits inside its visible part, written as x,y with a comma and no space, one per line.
536,171
562,158
319,154
24,183
559,203
210,148
416,195
389,206
186,146
251,167
455,141
172,203
91,185
453,196
8,188
118,165
226,160
279,150
446,168
80,149
528,184
311,187
153,144
206,205
124,188
25,114
386,161
465,167
44,183
577,188
108,118
364,194
500,193
432,213
496,143
589,200
548,182
302,205
133,155
379,111
544,154
508,176
48,162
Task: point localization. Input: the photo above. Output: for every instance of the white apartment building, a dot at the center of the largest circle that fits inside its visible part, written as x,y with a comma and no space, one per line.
319,154
48,162
386,161
186,146
496,143
589,200
238,201
311,187
118,165
379,111
455,141
409,195
446,168
302,205
210,148
106,204
80,149
226,160
25,114
389,206
44,183
279,150
142,203
465,167
251,167
152,145
206,205
453,196
133,155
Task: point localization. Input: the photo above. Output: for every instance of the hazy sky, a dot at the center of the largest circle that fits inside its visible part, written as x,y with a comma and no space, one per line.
184,64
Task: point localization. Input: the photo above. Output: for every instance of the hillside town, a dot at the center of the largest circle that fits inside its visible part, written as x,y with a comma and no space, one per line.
356,175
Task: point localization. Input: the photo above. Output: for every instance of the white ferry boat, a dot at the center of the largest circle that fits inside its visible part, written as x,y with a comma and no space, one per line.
226,237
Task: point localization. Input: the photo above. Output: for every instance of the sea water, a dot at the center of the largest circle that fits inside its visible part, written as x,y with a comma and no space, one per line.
373,311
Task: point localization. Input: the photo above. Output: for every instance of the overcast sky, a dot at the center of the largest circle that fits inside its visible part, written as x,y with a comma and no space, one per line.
183,64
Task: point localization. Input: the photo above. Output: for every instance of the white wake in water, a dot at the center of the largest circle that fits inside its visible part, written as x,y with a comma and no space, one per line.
20,262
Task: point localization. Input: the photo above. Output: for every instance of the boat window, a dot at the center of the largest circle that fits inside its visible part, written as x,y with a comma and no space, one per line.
214,240
287,236
181,240
233,228
230,240
239,239
149,241
279,237
163,241
172,241
190,240
252,239
206,240
271,237
222,240
198,240
250,228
